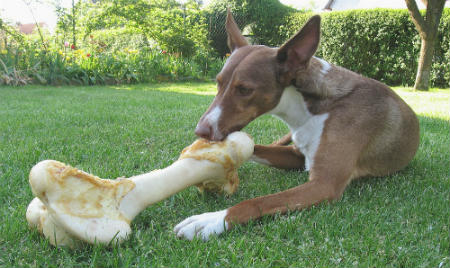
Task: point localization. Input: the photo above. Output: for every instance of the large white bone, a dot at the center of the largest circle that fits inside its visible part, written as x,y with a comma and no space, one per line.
72,205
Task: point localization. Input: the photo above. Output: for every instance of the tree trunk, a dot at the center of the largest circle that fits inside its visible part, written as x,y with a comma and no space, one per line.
427,27
425,63
74,41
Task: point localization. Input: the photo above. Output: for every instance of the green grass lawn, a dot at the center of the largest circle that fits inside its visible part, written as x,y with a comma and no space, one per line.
111,131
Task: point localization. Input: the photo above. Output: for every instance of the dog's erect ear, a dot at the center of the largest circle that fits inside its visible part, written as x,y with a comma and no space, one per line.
296,52
235,38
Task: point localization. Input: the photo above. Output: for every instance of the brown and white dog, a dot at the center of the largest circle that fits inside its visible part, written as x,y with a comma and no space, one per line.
343,125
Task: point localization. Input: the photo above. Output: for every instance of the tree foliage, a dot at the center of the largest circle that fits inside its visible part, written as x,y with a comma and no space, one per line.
169,25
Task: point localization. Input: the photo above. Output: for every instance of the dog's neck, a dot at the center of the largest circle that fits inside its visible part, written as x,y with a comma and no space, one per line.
292,108
312,91
324,80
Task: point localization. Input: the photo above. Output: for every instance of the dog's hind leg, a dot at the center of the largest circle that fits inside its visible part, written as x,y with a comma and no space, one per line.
286,157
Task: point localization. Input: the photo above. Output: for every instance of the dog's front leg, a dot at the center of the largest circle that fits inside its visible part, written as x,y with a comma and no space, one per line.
286,157
327,181
214,223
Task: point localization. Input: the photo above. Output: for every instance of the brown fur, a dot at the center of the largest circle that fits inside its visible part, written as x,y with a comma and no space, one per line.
370,130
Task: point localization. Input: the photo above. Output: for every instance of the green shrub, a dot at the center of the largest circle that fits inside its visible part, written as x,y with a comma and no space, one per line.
381,43
268,21
27,62
165,24
216,14
116,39
263,21
440,74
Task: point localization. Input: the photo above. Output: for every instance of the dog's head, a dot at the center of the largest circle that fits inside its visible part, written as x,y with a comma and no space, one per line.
253,78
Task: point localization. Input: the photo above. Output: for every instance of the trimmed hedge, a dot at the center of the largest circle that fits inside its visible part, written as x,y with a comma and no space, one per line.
381,43
268,21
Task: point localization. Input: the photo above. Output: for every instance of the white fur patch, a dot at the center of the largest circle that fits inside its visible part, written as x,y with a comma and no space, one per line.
291,109
306,128
307,137
213,118
203,225
325,66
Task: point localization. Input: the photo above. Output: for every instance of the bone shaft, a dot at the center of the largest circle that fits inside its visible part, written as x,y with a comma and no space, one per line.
160,184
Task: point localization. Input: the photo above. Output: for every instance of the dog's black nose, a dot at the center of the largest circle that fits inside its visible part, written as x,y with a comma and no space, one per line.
203,130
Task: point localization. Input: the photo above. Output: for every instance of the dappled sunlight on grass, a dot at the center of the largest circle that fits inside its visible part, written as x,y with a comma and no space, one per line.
197,88
113,131
434,103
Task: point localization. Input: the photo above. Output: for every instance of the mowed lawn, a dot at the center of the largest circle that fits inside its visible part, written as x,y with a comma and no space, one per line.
111,131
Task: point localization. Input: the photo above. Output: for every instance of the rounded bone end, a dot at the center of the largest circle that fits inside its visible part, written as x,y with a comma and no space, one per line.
231,153
243,146
38,218
64,230
72,205
40,176
34,211
103,230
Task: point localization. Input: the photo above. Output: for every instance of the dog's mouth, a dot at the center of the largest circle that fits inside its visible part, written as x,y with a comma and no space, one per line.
215,134
220,135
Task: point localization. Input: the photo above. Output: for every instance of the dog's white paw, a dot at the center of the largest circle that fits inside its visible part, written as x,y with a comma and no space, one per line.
202,226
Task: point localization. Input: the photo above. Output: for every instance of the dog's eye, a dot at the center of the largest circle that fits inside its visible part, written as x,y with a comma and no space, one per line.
244,91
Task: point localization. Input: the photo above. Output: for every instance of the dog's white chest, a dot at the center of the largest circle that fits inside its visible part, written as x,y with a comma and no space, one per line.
306,128
307,137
